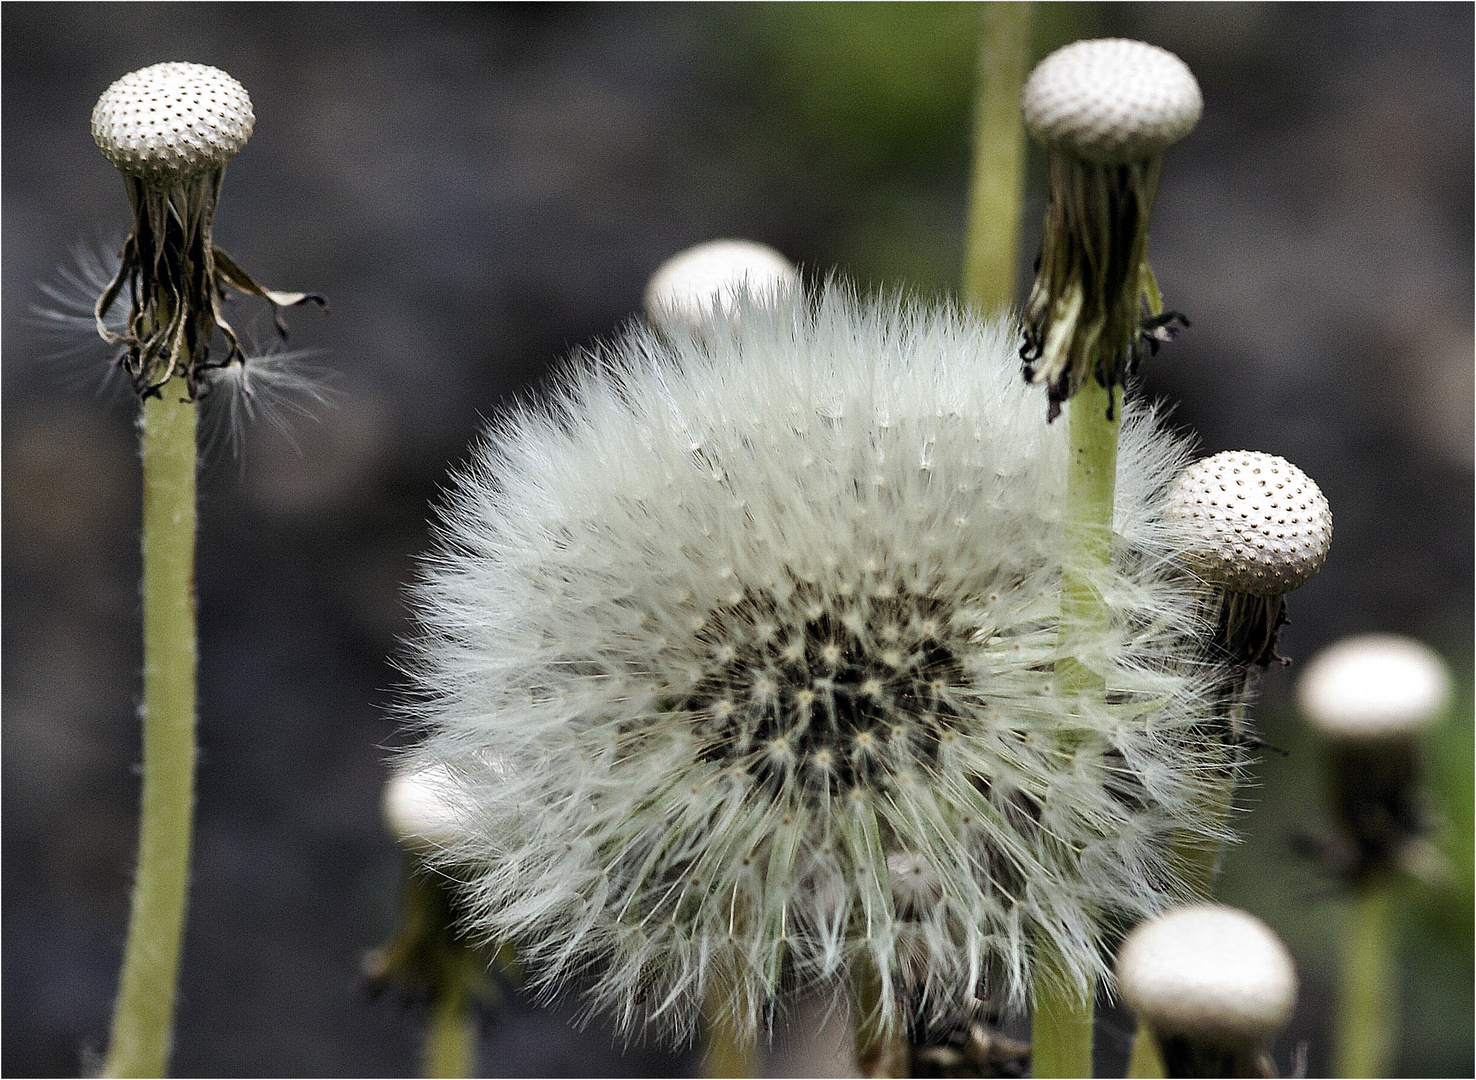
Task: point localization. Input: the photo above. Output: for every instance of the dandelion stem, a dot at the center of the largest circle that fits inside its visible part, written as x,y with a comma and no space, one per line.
1366,1011
879,1051
1091,483
729,1053
451,1036
999,156
1062,1023
1146,1060
143,1018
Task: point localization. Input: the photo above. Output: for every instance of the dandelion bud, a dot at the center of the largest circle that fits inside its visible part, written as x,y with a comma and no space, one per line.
690,287
1105,110
1372,696
761,627
1255,527
1374,686
170,129
1214,984
421,809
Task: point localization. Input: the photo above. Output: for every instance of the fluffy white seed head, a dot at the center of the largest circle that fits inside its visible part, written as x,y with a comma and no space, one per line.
1111,100
763,625
1208,972
1250,522
172,120
689,287
1374,686
422,808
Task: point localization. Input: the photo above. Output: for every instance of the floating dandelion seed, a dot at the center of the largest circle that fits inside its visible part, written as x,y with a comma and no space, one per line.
171,129
742,653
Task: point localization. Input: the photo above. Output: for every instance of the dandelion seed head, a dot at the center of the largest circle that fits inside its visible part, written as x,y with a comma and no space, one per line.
1111,100
1251,522
172,119
751,707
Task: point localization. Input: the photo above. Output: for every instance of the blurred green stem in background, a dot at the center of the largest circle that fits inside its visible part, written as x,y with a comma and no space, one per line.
1197,860
451,1035
997,175
143,1017
1367,1002
879,1052
729,1052
1060,1021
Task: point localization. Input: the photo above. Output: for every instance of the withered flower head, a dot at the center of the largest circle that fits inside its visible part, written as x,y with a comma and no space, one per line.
170,129
1105,110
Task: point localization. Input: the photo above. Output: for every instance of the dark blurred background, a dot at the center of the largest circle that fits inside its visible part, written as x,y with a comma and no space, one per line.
480,189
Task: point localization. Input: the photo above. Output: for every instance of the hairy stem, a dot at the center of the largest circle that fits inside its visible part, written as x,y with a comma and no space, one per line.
143,1017
1366,1007
1062,1022
997,176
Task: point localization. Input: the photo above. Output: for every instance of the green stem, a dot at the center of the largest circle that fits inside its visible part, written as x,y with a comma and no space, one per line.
1060,1022
997,177
1366,1009
1091,484
1061,1043
1146,1060
451,1036
728,1054
879,1051
143,1018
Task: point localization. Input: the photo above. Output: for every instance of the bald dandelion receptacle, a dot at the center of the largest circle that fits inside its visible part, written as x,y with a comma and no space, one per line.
742,650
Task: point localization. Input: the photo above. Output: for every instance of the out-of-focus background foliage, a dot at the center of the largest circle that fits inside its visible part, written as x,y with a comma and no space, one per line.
479,190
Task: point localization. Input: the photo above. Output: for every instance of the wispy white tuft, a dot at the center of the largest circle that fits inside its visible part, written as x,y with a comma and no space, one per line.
272,385
742,649
64,317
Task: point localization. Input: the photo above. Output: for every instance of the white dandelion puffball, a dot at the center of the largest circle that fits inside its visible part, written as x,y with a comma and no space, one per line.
1211,972
690,286
1374,686
1250,522
757,631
